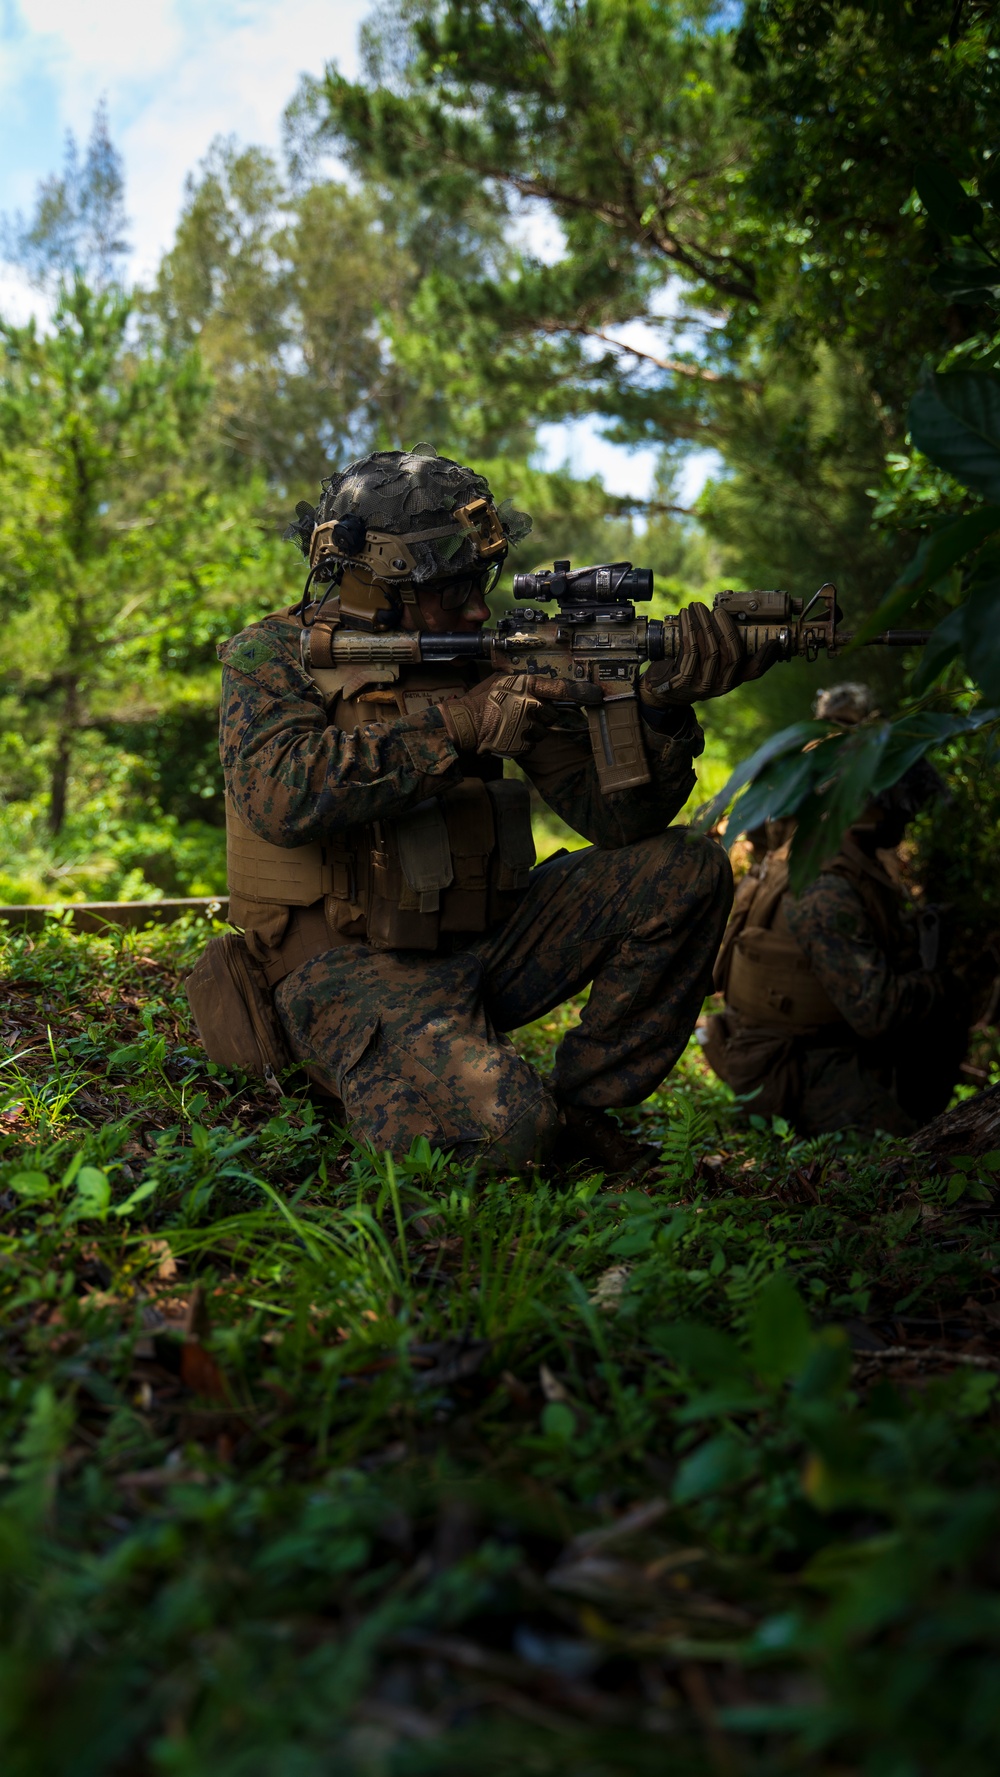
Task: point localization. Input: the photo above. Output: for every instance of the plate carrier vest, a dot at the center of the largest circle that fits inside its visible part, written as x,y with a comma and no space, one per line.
761,969
456,862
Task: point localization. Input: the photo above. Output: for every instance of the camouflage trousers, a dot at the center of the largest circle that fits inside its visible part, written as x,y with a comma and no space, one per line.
414,1044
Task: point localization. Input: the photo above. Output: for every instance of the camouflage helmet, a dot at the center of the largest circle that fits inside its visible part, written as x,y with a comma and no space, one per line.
399,519
847,704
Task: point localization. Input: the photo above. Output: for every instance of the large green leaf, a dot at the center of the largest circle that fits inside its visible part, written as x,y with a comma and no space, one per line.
914,735
709,1355
972,280
779,1330
937,554
981,637
787,740
955,420
947,203
871,760
778,790
825,817
827,787
720,1463
944,646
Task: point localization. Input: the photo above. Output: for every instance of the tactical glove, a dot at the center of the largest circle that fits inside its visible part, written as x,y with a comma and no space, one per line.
711,660
507,713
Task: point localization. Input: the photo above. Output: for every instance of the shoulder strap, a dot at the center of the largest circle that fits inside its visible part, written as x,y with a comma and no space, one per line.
772,887
755,904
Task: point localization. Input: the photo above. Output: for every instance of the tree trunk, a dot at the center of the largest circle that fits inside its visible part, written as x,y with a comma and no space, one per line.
971,1128
59,782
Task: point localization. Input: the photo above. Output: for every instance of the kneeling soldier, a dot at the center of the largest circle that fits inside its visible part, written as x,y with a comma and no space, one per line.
834,1019
380,863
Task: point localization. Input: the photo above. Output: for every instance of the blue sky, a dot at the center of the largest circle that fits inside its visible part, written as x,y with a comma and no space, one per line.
177,73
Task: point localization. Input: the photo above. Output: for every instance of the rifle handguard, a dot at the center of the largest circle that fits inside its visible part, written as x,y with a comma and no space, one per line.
594,638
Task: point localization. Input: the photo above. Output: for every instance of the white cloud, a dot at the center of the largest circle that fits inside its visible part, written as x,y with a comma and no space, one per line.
115,40
574,444
18,300
175,74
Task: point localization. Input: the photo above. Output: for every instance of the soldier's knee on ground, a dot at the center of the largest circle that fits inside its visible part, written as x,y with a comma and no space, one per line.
410,1052
507,1129
525,1140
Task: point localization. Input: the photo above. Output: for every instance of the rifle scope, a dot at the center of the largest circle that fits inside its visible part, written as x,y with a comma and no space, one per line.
618,581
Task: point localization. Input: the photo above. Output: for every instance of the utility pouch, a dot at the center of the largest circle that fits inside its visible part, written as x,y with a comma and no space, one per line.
511,801
770,983
230,997
393,916
468,812
424,855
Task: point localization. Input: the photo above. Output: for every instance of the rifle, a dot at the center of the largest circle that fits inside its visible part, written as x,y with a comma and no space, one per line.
596,635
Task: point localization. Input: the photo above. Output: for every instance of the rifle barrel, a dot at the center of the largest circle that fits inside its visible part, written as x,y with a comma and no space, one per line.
892,638
477,646
456,646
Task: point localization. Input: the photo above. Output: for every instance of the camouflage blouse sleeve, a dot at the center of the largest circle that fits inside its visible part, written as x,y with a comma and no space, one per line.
561,766
292,775
829,922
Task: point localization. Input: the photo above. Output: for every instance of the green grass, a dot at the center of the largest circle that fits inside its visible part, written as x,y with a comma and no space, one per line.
314,1461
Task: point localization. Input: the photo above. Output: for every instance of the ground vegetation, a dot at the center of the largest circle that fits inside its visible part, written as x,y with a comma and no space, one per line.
316,1457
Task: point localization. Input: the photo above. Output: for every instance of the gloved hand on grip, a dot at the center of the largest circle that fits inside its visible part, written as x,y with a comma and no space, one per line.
507,713
711,660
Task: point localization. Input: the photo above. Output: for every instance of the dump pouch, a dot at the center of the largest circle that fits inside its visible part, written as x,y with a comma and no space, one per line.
230,998
763,1062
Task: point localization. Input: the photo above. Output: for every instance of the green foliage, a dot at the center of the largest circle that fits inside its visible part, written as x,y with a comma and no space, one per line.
289,295
955,421
79,225
120,565
857,104
747,193
955,426
826,778
300,1441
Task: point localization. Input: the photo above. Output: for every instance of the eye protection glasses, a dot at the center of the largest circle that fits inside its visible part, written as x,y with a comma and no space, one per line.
457,592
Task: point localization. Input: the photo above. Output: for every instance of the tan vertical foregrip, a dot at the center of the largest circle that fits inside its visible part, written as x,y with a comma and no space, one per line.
616,738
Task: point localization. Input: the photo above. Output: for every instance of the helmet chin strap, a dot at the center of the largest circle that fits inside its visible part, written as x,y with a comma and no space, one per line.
411,599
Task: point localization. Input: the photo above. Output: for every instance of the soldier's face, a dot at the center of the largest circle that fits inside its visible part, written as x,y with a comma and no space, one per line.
882,827
469,615
890,830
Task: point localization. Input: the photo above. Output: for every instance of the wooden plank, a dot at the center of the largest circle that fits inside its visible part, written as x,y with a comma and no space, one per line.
96,916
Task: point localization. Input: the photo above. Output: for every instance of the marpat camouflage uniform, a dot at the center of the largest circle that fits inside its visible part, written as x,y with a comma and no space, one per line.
413,1043
892,1059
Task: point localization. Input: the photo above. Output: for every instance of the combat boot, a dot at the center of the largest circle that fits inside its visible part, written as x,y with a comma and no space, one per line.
595,1138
